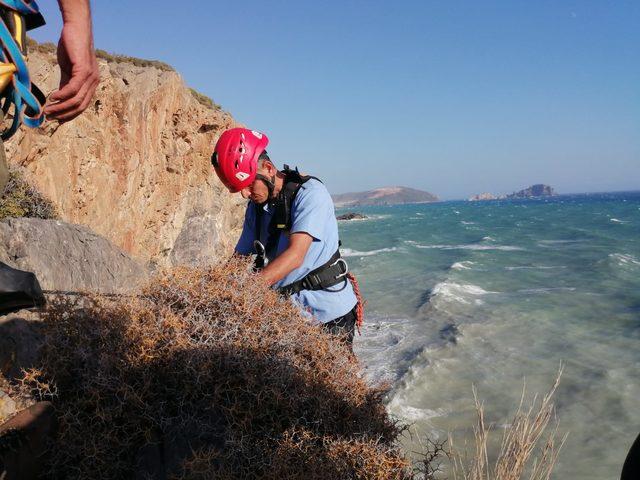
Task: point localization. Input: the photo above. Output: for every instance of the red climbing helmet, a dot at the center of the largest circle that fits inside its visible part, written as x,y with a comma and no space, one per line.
235,157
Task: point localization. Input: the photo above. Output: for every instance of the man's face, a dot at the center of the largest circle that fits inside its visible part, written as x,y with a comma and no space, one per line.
258,192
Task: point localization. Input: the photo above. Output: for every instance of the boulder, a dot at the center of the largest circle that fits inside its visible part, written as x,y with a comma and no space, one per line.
67,257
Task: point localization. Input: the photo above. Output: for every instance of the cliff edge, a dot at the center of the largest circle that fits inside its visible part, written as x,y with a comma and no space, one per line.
134,167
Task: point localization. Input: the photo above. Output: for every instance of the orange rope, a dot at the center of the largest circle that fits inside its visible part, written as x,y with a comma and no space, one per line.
360,305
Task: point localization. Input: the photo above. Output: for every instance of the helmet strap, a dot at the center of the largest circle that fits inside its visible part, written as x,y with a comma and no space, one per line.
269,182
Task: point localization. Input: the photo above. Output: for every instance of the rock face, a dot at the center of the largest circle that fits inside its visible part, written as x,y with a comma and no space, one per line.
538,190
384,196
67,257
135,166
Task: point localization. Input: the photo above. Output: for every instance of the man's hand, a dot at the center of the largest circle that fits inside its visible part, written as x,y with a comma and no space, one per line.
288,260
79,75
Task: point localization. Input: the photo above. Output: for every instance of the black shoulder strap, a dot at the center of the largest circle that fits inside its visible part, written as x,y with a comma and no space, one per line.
281,218
294,175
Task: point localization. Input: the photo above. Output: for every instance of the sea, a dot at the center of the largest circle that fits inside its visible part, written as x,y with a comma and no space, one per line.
496,295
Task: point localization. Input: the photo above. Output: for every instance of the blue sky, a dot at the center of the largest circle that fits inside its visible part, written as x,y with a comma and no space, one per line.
454,97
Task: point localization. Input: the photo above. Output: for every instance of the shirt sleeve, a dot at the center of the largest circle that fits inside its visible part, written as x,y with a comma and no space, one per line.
311,210
245,242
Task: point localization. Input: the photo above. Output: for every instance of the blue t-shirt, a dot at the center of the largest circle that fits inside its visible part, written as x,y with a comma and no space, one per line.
311,212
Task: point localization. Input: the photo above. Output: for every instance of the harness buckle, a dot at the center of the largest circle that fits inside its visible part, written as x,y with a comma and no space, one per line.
344,264
261,255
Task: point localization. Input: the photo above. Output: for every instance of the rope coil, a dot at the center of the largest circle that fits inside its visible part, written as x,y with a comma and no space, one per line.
17,90
360,304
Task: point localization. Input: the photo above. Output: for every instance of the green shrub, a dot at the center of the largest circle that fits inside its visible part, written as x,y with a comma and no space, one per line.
20,199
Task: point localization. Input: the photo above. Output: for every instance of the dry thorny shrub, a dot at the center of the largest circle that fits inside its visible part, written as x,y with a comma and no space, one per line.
216,368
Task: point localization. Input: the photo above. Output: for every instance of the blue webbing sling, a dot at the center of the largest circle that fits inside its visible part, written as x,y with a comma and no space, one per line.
26,98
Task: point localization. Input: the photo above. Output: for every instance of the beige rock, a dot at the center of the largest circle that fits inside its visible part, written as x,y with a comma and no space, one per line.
7,406
135,167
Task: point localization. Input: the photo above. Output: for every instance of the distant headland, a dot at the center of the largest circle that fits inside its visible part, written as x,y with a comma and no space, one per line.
384,196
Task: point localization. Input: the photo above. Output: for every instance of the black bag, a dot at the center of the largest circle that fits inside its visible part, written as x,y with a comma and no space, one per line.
18,290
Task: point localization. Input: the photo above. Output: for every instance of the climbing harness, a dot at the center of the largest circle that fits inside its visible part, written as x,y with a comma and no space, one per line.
16,89
335,271
324,277
281,219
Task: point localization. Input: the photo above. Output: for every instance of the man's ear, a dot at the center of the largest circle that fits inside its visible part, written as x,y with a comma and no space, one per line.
271,169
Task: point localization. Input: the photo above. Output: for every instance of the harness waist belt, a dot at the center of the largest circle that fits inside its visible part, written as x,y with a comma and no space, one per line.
323,277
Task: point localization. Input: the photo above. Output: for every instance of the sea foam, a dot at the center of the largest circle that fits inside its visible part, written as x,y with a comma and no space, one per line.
457,292
473,246
466,265
347,252
624,259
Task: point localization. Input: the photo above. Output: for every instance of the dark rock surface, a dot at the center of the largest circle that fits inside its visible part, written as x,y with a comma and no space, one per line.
23,442
351,216
66,256
20,338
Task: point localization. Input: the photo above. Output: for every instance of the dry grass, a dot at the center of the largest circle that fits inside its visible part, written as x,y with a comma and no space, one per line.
138,62
204,100
218,359
526,435
20,199
50,48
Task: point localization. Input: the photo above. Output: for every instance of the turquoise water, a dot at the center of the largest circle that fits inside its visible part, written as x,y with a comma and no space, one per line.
491,293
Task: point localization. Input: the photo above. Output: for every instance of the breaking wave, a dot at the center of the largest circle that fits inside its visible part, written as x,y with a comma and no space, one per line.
347,252
535,267
465,293
506,248
466,265
624,259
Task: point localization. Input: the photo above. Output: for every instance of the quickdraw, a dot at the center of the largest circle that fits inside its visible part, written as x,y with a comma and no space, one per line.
16,88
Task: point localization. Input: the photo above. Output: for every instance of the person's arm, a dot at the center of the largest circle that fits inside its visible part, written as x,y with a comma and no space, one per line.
288,260
79,74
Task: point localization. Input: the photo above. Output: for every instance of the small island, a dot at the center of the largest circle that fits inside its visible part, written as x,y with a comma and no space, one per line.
534,191
483,196
351,216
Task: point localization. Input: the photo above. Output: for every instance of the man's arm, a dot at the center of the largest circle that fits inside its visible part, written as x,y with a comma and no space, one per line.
79,74
288,260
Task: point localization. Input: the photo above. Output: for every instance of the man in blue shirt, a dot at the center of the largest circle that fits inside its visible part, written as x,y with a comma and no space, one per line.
293,218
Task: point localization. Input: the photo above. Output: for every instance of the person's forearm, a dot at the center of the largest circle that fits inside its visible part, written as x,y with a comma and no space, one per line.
75,11
281,266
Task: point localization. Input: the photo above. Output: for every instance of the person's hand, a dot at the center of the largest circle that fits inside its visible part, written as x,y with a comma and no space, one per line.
79,74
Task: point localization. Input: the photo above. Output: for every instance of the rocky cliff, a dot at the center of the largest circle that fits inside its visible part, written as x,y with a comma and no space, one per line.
135,166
